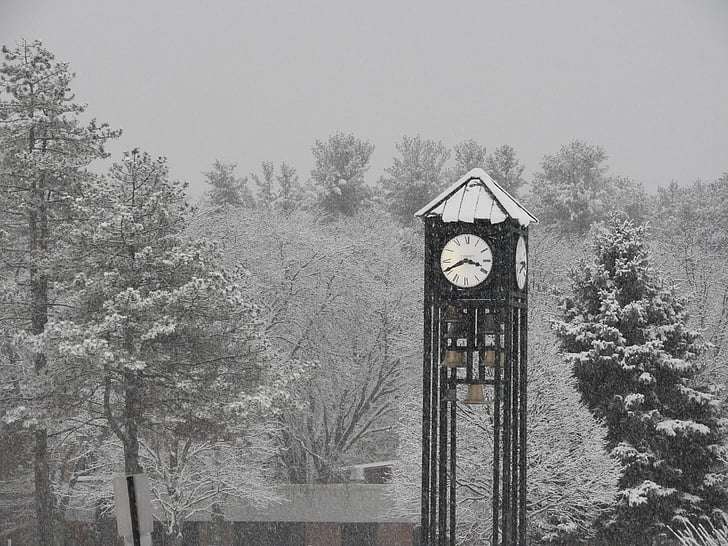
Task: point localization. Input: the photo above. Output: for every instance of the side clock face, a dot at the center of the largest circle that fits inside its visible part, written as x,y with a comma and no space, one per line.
521,263
466,260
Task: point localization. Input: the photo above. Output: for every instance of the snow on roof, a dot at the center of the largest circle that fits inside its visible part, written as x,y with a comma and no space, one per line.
476,196
377,464
330,503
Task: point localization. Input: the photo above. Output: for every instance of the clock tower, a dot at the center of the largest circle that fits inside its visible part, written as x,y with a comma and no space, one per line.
475,344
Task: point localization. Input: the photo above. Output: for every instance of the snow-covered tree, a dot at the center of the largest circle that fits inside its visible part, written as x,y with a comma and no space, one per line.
265,184
189,476
468,155
289,193
164,346
333,306
415,177
689,227
692,227
45,153
340,165
227,189
574,190
504,167
162,333
624,333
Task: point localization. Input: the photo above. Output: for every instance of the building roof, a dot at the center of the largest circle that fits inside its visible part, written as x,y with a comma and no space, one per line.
325,503
343,503
362,472
476,196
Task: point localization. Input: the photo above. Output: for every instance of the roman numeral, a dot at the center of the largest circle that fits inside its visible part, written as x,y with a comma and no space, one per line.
467,239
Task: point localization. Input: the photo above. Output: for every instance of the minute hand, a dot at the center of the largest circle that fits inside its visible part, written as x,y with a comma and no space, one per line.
457,264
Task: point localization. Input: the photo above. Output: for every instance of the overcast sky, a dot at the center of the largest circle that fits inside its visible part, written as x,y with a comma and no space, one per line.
252,81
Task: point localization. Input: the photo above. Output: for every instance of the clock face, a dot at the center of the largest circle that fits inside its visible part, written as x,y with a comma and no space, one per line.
521,263
466,260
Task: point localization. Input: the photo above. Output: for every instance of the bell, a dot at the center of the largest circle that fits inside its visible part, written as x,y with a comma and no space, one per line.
452,313
454,359
488,359
476,395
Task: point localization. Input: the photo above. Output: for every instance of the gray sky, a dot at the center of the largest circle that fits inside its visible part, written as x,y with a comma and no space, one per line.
252,81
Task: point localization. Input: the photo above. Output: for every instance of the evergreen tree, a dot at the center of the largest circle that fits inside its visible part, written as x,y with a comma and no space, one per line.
289,193
227,188
45,154
265,184
340,165
162,330
625,335
415,177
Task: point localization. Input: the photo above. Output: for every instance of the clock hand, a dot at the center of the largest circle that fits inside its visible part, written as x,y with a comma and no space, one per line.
457,264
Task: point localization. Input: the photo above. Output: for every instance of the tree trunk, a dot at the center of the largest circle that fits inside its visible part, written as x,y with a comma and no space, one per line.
38,227
43,505
176,538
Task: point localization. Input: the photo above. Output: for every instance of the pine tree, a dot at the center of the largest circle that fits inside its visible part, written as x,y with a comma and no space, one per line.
266,193
45,153
163,337
227,188
624,333
289,194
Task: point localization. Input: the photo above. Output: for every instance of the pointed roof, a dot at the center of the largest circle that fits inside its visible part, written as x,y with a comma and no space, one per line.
476,196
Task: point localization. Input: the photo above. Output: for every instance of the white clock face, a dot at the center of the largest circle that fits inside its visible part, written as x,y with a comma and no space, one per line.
466,260
521,263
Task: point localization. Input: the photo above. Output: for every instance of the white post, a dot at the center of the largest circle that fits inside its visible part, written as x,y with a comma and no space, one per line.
134,523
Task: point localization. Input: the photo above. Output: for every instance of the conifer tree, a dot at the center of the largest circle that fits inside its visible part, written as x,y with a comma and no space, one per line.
289,195
227,189
166,334
625,335
265,184
45,154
